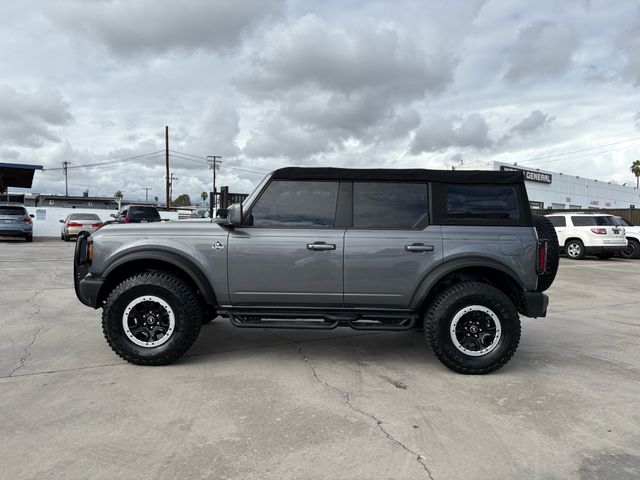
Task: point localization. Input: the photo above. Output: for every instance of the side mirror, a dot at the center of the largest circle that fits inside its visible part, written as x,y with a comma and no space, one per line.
234,214
61,221
113,215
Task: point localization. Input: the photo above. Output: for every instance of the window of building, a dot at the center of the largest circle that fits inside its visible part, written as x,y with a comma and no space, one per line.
296,204
485,202
389,205
558,221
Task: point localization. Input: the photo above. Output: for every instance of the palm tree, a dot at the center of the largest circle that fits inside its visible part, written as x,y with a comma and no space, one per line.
204,196
635,169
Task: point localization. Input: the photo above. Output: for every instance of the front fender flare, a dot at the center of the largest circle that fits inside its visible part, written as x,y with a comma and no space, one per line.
186,265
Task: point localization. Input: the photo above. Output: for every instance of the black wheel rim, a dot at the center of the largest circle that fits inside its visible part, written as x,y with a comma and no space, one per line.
148,321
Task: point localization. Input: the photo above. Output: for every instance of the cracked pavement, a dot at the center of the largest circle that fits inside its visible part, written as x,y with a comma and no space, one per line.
275,404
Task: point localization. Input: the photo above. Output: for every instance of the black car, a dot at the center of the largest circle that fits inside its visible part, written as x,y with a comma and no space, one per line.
137,214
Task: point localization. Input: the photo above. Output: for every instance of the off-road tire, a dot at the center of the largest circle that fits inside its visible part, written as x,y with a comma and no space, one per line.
440,314
633,249
546,231
175,292
575,241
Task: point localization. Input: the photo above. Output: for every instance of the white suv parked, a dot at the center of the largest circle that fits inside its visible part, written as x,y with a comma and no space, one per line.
581,234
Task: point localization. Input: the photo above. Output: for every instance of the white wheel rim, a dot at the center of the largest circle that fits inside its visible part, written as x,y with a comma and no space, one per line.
454,332
126,316
574,250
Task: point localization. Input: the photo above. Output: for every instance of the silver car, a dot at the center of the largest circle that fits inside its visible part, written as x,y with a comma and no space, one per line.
15,221
77,223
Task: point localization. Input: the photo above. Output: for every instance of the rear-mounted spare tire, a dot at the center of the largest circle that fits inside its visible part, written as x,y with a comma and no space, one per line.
546,231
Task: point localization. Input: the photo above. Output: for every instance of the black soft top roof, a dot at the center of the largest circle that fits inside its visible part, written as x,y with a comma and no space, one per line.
399,175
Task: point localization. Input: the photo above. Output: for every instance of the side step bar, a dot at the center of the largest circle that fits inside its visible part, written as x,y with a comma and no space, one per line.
322,321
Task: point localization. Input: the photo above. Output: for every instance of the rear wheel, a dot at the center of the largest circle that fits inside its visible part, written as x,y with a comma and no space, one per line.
472,328
29,237
151,318
66,237
546,231
632,250
575,249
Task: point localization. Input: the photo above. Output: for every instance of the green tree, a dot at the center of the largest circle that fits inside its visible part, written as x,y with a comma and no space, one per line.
635,169
204,196
181,201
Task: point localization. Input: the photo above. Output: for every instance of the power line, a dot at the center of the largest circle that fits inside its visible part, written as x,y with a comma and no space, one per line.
146,156
203,160
583,149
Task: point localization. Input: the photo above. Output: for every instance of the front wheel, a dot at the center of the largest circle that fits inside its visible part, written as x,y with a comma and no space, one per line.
632,250
472,328
151,318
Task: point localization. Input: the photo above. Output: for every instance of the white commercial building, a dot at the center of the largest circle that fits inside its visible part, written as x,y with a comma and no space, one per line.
562,191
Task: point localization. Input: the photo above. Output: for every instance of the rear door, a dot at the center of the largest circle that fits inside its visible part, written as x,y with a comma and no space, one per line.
289,250
390,246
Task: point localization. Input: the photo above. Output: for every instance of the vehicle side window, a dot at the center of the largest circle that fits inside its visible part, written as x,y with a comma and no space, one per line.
558,221
486,202
296,204
389,205
589,221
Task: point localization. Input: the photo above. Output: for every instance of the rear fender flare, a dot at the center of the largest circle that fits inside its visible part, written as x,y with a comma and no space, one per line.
449,267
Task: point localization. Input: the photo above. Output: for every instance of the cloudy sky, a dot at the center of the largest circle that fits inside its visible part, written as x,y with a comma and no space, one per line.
431,84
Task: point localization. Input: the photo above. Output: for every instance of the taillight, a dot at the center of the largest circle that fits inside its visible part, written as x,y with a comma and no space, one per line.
74,224
599,231
25,220
543,249
126,219
96,225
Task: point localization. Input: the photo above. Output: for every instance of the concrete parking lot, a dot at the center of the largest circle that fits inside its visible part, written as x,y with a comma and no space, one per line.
259,404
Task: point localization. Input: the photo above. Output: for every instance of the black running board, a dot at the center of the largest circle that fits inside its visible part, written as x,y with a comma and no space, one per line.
318,320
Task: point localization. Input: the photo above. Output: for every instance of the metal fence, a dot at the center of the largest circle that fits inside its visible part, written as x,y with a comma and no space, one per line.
224,199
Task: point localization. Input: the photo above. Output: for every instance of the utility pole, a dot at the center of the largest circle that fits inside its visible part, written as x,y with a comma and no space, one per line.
66,183
214,163
166,149
146,193
171,179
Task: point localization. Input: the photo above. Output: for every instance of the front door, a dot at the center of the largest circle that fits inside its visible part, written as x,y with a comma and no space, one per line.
288,251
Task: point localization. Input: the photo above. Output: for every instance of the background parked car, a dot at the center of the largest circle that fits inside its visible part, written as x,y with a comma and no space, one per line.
16,222
581,234
137,214
632,233
79,223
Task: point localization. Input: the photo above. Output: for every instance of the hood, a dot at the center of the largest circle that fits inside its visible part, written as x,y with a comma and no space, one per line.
170,228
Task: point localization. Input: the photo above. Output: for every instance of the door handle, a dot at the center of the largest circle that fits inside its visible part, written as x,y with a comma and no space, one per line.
419,247
321,246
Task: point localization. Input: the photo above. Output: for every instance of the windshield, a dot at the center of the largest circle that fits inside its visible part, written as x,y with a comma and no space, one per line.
252,197
624,223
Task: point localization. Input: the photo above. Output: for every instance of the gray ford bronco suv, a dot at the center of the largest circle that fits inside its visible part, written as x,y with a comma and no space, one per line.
456,254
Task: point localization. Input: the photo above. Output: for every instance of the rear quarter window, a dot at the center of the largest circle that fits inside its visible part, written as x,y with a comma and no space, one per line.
481,204
591,221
